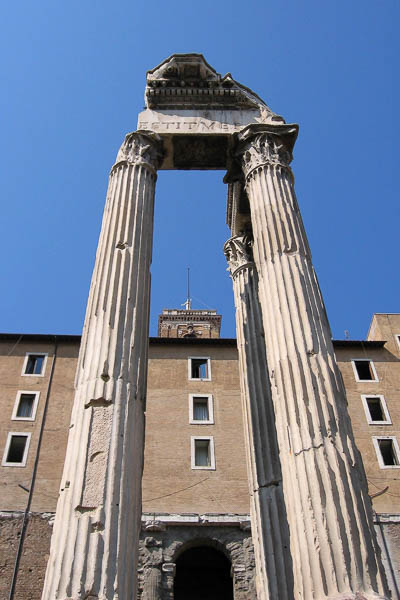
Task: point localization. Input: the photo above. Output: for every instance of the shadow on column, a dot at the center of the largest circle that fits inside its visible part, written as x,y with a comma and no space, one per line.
203,573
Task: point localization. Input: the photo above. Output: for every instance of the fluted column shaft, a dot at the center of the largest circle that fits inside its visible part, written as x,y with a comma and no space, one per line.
94,543
333,543
153,584
274,574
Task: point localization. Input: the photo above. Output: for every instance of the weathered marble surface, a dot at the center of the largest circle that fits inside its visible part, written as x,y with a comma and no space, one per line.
94,544
198,121
185,96
268,512
332,540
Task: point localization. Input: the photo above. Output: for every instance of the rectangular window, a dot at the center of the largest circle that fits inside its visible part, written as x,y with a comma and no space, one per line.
397,336
16,450
201,409
376,410
199,368
35,364
25,406
364,369
202,453
387,451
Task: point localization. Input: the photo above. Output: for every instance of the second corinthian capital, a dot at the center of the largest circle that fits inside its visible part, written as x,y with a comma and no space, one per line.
239,252
260,145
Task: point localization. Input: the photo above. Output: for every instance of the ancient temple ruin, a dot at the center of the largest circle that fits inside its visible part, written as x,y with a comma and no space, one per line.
311,514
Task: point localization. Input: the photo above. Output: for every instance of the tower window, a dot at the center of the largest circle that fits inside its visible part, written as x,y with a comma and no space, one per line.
201,409
364,369
16,450
199,368
202,453
25,406
387,451
34,364
376,410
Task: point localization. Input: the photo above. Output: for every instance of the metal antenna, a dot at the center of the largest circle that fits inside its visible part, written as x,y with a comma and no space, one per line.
188,286
188,303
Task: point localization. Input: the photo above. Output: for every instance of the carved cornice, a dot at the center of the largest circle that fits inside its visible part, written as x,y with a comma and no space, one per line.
154,525
187,81
239,253
262,145
144,148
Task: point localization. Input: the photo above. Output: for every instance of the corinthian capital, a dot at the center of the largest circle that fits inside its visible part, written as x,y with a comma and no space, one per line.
141,149
239,252
260,145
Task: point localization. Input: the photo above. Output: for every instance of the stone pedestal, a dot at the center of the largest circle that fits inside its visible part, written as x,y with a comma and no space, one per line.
94,544
332,540
274,575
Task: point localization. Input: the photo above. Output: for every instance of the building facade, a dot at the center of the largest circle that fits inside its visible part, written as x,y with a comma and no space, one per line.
196,503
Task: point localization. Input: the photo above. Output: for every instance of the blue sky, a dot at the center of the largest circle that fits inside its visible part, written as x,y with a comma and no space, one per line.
73,78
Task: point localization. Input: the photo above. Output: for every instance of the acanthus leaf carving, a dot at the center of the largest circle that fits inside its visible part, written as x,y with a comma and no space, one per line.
141,149
262,149
239,252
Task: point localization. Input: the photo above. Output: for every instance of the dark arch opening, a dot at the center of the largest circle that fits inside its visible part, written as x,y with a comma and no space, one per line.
203,573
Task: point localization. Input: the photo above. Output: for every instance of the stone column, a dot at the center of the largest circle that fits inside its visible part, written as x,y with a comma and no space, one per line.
332,539
95,538
152,584
274,574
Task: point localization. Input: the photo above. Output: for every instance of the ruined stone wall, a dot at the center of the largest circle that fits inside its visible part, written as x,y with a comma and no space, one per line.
160,549
388,532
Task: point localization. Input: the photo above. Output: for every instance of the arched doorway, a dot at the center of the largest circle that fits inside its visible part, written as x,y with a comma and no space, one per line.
203,573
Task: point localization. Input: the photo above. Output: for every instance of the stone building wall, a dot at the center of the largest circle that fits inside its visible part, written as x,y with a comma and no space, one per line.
12,356
388,532
16,481
387,366
159,551
170,485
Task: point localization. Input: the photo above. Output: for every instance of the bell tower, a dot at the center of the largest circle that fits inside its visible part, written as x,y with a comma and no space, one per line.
178,323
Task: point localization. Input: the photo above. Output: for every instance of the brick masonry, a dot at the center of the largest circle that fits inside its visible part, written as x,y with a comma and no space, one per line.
33,562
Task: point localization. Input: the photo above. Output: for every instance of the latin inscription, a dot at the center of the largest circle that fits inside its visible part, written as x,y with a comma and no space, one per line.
195,125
